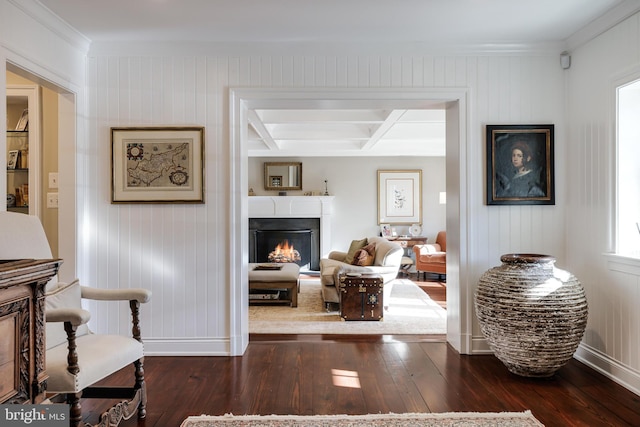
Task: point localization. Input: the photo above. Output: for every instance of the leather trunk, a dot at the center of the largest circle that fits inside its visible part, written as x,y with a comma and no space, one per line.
361,297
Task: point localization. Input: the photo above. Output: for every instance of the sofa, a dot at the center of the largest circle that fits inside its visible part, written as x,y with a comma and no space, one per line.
432,258
371,255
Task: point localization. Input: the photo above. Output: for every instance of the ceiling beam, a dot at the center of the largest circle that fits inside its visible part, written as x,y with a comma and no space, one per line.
391,119
261,130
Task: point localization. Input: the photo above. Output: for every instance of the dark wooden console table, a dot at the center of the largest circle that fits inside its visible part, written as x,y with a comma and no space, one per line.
23,377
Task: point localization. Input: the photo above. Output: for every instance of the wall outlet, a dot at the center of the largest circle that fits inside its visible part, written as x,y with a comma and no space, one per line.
52,200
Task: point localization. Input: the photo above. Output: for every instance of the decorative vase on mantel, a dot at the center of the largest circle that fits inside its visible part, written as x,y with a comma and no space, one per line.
532,314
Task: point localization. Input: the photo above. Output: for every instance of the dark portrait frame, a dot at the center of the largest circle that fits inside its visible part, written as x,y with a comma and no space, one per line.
533,186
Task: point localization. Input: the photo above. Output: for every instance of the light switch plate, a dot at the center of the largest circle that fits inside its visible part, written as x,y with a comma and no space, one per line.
53,179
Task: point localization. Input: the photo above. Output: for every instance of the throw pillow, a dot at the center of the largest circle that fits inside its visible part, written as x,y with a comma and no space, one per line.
371,248
362,258
355,246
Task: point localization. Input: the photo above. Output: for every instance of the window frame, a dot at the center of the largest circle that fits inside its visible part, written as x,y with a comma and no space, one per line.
625,80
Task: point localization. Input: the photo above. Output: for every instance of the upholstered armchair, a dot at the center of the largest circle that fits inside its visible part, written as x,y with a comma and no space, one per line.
432,257
77,358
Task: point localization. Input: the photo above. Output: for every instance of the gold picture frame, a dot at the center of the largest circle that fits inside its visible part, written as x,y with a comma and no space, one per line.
157,165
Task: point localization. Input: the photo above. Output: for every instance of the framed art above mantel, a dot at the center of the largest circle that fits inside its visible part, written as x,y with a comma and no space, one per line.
400,196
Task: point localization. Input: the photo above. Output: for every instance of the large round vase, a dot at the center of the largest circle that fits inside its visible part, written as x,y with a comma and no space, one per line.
532,314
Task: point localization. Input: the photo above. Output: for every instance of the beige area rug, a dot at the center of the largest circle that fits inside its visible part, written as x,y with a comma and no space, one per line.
458,419
407,310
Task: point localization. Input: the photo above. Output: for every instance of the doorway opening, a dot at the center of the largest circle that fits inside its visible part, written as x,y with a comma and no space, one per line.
56,119
245,101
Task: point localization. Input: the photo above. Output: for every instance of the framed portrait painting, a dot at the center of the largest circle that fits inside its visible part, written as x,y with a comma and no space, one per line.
399,196
157,165
520,167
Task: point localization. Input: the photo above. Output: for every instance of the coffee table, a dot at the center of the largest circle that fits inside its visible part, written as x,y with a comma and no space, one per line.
285,278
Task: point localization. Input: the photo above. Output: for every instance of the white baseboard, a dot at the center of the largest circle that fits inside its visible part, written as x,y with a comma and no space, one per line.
610,368
187,346
479,345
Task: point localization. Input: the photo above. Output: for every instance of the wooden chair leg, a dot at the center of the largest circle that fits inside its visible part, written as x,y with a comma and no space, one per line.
139,364
75,410
140,385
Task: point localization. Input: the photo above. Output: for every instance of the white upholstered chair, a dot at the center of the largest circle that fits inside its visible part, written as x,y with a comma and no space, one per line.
76,358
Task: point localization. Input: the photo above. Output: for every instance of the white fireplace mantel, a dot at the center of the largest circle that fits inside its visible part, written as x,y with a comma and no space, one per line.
296,207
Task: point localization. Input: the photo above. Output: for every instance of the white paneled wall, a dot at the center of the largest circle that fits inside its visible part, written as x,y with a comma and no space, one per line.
179,252
612,338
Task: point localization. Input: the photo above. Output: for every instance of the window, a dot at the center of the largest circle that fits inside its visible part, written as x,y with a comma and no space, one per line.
628,171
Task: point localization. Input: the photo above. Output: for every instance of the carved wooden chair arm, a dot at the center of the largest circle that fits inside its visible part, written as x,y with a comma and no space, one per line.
74,316
133,294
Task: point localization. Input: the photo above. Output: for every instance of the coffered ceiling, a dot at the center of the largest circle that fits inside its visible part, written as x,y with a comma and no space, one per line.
347,131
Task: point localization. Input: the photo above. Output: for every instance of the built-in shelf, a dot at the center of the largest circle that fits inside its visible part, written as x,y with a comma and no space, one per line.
20,209
24,181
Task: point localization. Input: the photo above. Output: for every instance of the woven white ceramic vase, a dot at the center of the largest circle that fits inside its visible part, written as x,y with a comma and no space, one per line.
532,314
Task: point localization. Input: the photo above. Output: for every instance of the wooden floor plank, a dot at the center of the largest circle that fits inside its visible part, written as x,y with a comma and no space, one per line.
462,384
375,378
426,376
307,381
405,387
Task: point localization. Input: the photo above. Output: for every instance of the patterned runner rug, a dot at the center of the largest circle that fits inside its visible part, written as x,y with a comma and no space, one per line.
407,310
457,419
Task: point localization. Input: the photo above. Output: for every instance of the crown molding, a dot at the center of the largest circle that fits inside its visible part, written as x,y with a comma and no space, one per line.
53,22
184,48
602,24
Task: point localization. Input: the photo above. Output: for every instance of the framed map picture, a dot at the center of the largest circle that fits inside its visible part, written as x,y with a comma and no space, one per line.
157,165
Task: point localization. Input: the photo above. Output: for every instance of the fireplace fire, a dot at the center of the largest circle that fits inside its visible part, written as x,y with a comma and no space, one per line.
283,253
300,234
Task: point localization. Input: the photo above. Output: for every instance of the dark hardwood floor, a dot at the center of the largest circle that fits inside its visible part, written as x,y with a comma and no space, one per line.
330,374
318,374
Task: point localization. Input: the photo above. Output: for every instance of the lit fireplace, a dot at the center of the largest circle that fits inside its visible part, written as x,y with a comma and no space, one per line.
299,234
284,252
